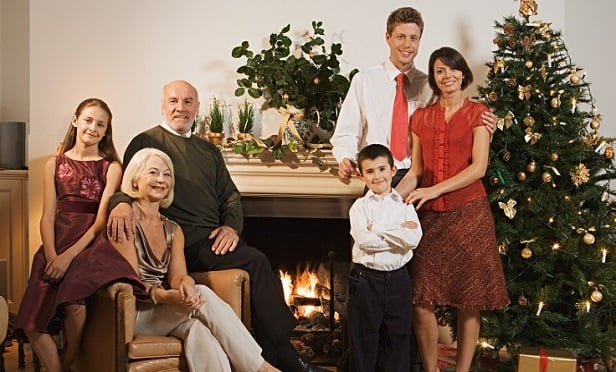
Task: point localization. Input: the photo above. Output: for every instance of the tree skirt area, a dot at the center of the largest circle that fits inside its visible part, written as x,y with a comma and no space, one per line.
484,361
446,357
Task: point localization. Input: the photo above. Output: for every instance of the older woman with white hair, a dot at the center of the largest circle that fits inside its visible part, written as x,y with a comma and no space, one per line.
214,337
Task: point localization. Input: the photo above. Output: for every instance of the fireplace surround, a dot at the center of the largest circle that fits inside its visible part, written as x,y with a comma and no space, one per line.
296,212
298,203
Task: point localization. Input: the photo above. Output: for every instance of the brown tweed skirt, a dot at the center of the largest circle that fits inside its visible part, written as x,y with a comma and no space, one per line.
457,262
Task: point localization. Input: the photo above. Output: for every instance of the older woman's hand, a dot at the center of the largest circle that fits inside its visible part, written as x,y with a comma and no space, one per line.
191,298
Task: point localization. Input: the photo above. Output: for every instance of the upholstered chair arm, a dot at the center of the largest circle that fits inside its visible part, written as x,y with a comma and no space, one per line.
232,286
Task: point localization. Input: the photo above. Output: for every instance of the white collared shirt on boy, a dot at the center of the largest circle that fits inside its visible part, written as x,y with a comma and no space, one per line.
387,246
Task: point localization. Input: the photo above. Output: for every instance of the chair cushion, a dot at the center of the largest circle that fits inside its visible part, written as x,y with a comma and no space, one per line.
173,364
148,347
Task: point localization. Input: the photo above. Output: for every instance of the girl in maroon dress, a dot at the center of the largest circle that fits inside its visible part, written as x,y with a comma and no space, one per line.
456,264
77,185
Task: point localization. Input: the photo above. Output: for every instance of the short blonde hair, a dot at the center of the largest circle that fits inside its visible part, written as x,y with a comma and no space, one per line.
135,167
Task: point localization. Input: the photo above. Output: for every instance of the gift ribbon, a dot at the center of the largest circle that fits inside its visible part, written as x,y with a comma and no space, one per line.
543,360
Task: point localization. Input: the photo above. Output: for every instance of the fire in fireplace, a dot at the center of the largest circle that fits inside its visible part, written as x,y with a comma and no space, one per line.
312,256
296,212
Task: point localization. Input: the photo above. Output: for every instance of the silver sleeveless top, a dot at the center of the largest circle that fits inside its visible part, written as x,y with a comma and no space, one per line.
152,270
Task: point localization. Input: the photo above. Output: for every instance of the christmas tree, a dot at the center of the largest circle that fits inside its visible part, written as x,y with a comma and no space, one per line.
549,186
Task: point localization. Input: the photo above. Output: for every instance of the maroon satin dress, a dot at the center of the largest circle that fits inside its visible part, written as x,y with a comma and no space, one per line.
79,187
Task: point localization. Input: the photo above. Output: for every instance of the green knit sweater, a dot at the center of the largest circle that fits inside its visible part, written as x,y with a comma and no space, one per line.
205,195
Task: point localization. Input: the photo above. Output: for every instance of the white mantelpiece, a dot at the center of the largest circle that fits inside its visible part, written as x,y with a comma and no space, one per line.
297,174
292,187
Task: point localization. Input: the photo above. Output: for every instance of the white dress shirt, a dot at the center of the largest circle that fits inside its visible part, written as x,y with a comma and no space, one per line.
365,115
173,131
387,246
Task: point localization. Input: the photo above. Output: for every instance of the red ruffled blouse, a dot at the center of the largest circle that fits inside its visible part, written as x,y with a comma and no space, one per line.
447,150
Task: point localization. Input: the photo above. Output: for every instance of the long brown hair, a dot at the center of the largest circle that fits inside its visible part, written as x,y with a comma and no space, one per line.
105,146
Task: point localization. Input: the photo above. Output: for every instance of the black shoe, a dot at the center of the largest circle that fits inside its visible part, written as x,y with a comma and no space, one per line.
309,367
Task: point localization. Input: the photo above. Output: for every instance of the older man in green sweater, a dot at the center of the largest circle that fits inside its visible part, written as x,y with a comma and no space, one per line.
207,207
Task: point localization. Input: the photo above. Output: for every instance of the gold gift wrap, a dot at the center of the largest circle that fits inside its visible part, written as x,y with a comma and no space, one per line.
530,360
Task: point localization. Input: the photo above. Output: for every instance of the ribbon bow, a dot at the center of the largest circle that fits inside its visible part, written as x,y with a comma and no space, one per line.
506,121
509,208
524,92
498,65
531,136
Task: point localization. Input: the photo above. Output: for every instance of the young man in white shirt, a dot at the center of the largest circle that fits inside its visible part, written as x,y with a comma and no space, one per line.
366,113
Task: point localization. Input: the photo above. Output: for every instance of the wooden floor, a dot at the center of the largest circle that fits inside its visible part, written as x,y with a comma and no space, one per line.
10,359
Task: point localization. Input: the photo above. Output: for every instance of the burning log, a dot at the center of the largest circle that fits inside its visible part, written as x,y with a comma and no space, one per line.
306,301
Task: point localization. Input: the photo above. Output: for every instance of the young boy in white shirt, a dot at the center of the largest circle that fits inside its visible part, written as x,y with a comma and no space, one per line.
385,231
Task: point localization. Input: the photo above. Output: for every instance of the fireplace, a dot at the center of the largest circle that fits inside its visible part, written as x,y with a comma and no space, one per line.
296,212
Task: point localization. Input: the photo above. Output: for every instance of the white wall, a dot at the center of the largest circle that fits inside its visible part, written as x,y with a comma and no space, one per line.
14,61
590,27
124,51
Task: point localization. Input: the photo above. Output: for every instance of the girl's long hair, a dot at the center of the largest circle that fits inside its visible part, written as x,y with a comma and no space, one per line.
105,146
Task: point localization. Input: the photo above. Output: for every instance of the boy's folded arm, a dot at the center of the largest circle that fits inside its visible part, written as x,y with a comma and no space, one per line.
365,238
403,237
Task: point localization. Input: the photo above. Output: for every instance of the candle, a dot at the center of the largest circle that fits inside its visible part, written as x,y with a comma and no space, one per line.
485,345
603,255
588,306
550,60
539,308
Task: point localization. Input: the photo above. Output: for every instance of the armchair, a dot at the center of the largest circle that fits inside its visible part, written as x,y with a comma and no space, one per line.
109,342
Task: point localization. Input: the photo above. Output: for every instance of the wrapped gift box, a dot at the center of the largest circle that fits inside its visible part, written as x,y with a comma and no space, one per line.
535,359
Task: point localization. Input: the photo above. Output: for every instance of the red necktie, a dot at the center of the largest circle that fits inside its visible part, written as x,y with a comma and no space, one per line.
399,141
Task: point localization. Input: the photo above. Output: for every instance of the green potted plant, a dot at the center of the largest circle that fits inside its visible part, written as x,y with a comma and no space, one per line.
216,121
245,115
305,76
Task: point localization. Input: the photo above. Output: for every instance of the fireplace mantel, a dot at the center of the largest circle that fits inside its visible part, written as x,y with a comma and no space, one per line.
292,187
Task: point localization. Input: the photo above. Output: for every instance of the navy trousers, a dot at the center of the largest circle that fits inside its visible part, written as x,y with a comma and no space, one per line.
379,318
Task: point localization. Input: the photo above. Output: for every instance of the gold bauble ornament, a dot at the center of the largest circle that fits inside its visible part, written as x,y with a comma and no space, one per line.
588,239
575,78
554,156
442,321
595,123
528,120
528,64
546,177
316,81
609,153
596,295
526,253
285,97
522,176
532,166
494,181
555,102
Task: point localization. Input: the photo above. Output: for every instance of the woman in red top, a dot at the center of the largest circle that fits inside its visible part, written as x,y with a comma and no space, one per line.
456,263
